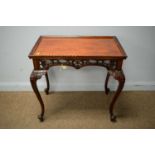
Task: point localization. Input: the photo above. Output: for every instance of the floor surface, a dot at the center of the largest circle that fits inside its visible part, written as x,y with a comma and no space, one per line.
88,110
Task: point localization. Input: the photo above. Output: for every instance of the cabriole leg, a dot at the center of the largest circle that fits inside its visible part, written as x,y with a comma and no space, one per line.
119,76
35,75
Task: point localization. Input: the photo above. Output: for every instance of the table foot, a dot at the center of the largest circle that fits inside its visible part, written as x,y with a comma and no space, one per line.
113,118
107,91
41,118
46,91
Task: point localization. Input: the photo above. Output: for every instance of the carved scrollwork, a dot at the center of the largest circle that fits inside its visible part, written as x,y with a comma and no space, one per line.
117,74
37,74
76,63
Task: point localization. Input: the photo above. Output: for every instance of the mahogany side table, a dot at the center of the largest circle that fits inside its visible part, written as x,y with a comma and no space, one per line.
105,51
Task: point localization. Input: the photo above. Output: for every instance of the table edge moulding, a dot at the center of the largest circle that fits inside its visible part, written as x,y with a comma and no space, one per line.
78,51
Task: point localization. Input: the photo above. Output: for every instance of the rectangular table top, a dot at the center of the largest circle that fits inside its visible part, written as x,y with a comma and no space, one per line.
86,46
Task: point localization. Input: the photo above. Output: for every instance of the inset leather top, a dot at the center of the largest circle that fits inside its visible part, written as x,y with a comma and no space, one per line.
95,46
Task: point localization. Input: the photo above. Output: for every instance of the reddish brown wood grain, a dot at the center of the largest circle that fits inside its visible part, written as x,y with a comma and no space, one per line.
93,46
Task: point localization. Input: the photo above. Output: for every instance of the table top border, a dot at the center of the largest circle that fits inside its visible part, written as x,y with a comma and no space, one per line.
124,56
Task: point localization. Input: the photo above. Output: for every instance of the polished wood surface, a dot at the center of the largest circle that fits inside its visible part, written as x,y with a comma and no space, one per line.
104,51
50,46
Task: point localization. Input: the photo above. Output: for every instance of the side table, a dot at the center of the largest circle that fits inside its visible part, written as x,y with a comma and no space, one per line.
104,51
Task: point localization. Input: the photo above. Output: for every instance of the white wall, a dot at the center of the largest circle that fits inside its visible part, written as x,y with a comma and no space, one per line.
15,67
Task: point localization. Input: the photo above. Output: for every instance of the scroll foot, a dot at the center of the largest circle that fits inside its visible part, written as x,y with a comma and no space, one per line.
46,91
113,118
107,91
41,118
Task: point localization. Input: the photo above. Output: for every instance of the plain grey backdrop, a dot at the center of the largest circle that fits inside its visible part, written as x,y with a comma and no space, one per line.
17,42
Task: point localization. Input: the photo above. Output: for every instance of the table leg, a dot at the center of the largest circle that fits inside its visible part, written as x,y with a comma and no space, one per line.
119,76
35,75
48,85
106,84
